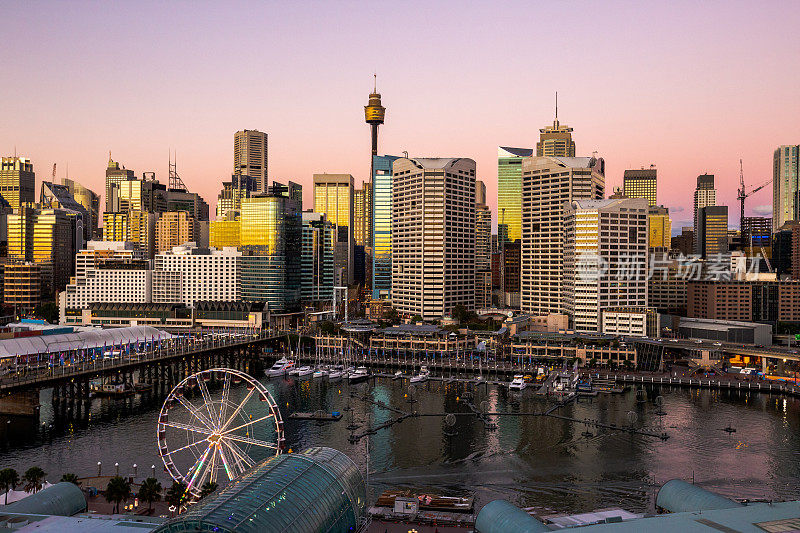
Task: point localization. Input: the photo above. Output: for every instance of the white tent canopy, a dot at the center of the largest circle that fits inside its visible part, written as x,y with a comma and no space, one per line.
86,338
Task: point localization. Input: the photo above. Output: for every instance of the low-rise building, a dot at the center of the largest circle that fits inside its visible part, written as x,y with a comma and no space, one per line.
626,321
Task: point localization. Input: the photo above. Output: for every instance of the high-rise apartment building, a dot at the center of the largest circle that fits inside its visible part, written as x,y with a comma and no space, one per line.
90,202
333,197
271,234
250,156
712,231
46,237
115,175
509,192
433,236
641,184
659,226
555,140
17,180
381,231
548,184
317,258
785,168
704,195
22,286
175,228
605,258
229,200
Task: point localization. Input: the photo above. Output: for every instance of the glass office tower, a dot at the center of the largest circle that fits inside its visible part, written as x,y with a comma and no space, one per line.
509,192
382,226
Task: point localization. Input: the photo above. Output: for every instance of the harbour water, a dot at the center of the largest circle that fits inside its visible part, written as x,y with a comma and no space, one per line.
550,464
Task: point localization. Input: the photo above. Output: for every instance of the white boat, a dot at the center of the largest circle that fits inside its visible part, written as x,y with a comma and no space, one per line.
303,371
320,373
518,383
398,375
361,374
422,376
281,367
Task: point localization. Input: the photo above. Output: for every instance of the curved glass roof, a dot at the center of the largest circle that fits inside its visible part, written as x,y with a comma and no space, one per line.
87,338
62,499
320,490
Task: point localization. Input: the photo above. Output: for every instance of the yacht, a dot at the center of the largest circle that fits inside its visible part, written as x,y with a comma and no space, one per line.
361,374
422,376
281,367
335,373
518,383
320,372
303,371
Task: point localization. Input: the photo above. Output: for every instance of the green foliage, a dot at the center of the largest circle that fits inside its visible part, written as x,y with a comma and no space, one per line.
117,491
9,478
176,494
208,488
416,318
150,492
460,313
71,478
47,311
33,479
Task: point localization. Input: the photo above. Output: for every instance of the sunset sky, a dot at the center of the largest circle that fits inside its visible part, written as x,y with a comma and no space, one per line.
689,86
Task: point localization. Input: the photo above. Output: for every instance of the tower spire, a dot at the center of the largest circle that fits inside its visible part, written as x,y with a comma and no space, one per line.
375,85
556,106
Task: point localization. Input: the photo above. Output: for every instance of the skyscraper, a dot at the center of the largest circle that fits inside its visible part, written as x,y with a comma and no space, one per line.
712,230
381,221
250,156
58,196
641,184
230,197
17,181
704,195
548,184
138,227
433,236
333,197
175,228
90,201
115,175
483,229
374,114
509,192
659,227
785,168
317,258
605,258
555,140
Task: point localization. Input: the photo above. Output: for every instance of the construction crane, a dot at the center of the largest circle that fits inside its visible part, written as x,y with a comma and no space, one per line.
742,196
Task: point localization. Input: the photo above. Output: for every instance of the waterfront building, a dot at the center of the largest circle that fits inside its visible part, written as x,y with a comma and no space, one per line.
712,231
556,350
641,184
317,258
138,227
250,149
333,197
115,175
752,301
175,228
46,237
90,202
230,197
433,236
785,169
22,286
555,140
605,258
381,231
548,184
704,195
509,192
659,227
271,243
224,233
17,181
188,274
630,322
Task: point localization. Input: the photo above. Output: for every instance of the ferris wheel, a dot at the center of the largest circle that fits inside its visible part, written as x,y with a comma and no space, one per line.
212,428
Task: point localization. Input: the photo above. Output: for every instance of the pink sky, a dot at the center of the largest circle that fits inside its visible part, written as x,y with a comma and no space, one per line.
689,86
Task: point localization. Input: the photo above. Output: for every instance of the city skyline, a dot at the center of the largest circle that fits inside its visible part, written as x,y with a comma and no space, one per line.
169,94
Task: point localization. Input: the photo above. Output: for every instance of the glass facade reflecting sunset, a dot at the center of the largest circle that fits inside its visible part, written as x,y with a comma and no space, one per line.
382,226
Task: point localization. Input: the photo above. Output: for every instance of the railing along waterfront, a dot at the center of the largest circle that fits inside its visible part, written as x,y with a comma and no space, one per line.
730,384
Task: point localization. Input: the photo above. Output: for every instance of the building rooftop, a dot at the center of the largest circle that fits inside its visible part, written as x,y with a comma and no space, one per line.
507,151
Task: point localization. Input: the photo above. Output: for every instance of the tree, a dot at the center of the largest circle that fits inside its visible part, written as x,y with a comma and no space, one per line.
176,494
33,479
208,488
47,311
8,480
71,478
117,491
416,318
150,492
460,313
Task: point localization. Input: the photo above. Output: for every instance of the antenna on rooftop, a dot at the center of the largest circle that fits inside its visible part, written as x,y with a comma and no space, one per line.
175,182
